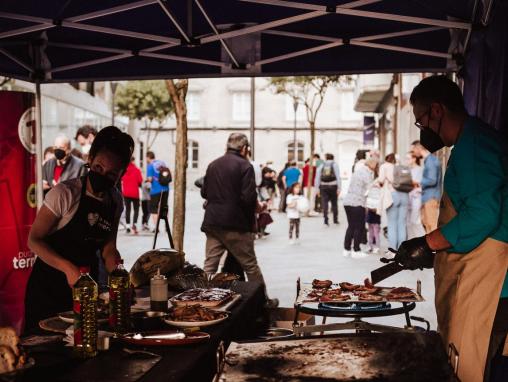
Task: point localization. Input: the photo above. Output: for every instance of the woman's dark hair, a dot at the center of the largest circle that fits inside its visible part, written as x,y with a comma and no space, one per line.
115,141
438,89
390,158
292,188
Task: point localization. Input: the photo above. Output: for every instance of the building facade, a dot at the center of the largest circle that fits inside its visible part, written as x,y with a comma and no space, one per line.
219,107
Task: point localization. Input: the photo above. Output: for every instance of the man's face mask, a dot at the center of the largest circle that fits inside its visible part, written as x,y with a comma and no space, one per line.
428,137
60,154
85,149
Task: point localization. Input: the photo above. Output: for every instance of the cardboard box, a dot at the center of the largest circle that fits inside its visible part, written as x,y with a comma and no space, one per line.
283,318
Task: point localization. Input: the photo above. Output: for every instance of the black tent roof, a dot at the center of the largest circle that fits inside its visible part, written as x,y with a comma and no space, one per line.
68,41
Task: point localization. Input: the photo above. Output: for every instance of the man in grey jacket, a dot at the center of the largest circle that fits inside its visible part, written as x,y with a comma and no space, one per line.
327,183
63,166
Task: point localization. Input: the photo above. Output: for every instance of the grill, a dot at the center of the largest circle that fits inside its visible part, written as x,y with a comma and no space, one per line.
356,310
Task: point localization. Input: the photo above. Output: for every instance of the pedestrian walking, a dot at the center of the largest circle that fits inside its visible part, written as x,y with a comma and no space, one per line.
131,182
317,200
159,190
291,175
145,205
231,201
282,188
373,218
394,202
307,183
354,204
328,184
292,200
430,186
414,218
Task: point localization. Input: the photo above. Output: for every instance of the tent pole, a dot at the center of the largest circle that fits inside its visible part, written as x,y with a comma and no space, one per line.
252,115
38,143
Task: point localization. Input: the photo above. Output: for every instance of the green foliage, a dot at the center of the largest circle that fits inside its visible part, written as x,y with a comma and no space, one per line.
147,100
308,91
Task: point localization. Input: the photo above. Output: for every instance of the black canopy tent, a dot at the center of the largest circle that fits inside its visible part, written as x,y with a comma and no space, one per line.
69,41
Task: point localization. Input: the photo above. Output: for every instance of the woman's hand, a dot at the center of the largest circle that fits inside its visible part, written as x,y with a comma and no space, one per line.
72,274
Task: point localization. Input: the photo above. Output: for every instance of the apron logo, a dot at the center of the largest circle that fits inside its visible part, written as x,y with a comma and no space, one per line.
93,218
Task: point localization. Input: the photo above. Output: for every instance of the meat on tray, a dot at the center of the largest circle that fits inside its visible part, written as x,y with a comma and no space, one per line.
400,293
195,313
321,283
345,286
202,296
367,292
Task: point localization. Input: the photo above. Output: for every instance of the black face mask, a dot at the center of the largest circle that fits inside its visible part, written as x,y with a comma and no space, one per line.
99,182
60,154
430,139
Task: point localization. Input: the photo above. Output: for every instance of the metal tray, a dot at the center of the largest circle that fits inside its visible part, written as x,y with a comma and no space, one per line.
306,288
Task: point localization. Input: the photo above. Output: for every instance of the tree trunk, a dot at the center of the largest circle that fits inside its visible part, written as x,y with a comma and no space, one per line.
311,161
177,92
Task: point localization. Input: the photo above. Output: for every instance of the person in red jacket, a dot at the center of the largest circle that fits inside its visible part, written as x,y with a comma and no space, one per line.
131,182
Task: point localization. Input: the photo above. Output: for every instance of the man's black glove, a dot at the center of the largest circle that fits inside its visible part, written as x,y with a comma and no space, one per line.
415,253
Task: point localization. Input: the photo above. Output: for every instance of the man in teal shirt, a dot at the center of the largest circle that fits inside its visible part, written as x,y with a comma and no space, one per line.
471,240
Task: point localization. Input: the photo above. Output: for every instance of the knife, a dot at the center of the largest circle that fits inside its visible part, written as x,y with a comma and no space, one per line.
385,271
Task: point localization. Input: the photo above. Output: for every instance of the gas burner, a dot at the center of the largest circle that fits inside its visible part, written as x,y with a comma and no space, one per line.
353,306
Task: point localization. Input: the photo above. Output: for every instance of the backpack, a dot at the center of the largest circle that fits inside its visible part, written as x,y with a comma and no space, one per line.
402,179
327,173
164,176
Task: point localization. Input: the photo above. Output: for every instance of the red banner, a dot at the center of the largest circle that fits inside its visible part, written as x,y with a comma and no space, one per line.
17,202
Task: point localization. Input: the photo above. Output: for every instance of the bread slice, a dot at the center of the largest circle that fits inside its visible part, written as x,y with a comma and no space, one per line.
8,337
7,359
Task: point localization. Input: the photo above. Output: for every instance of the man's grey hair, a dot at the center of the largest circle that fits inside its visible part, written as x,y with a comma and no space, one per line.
63,140
237,141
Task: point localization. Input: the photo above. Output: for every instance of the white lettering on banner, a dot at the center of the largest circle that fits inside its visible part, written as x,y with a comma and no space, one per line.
25,259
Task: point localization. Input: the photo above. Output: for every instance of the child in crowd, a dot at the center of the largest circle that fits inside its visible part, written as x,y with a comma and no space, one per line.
374,224
373,218
293,212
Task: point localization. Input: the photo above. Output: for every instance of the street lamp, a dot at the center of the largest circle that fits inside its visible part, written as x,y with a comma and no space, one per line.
295,108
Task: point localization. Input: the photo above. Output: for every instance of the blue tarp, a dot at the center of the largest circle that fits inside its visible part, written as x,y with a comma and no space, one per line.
145,39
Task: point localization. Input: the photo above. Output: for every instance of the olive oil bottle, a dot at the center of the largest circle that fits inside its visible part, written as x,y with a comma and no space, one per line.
119,299
84,294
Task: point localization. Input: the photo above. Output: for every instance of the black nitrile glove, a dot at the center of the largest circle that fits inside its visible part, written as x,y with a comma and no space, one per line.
415,253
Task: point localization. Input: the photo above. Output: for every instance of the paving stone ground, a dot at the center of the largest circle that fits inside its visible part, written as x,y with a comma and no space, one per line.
317,255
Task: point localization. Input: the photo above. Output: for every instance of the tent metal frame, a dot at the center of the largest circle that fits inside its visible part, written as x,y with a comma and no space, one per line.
166,42
350,9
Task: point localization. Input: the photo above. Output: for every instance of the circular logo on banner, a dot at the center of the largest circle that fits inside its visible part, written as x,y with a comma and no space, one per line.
26,130
31,196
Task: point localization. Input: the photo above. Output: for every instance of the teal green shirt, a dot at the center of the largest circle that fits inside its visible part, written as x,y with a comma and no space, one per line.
476,182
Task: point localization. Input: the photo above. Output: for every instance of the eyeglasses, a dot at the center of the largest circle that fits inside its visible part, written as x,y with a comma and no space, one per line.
418,122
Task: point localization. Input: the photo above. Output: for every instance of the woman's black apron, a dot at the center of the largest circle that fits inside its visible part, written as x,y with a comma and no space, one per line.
79,241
